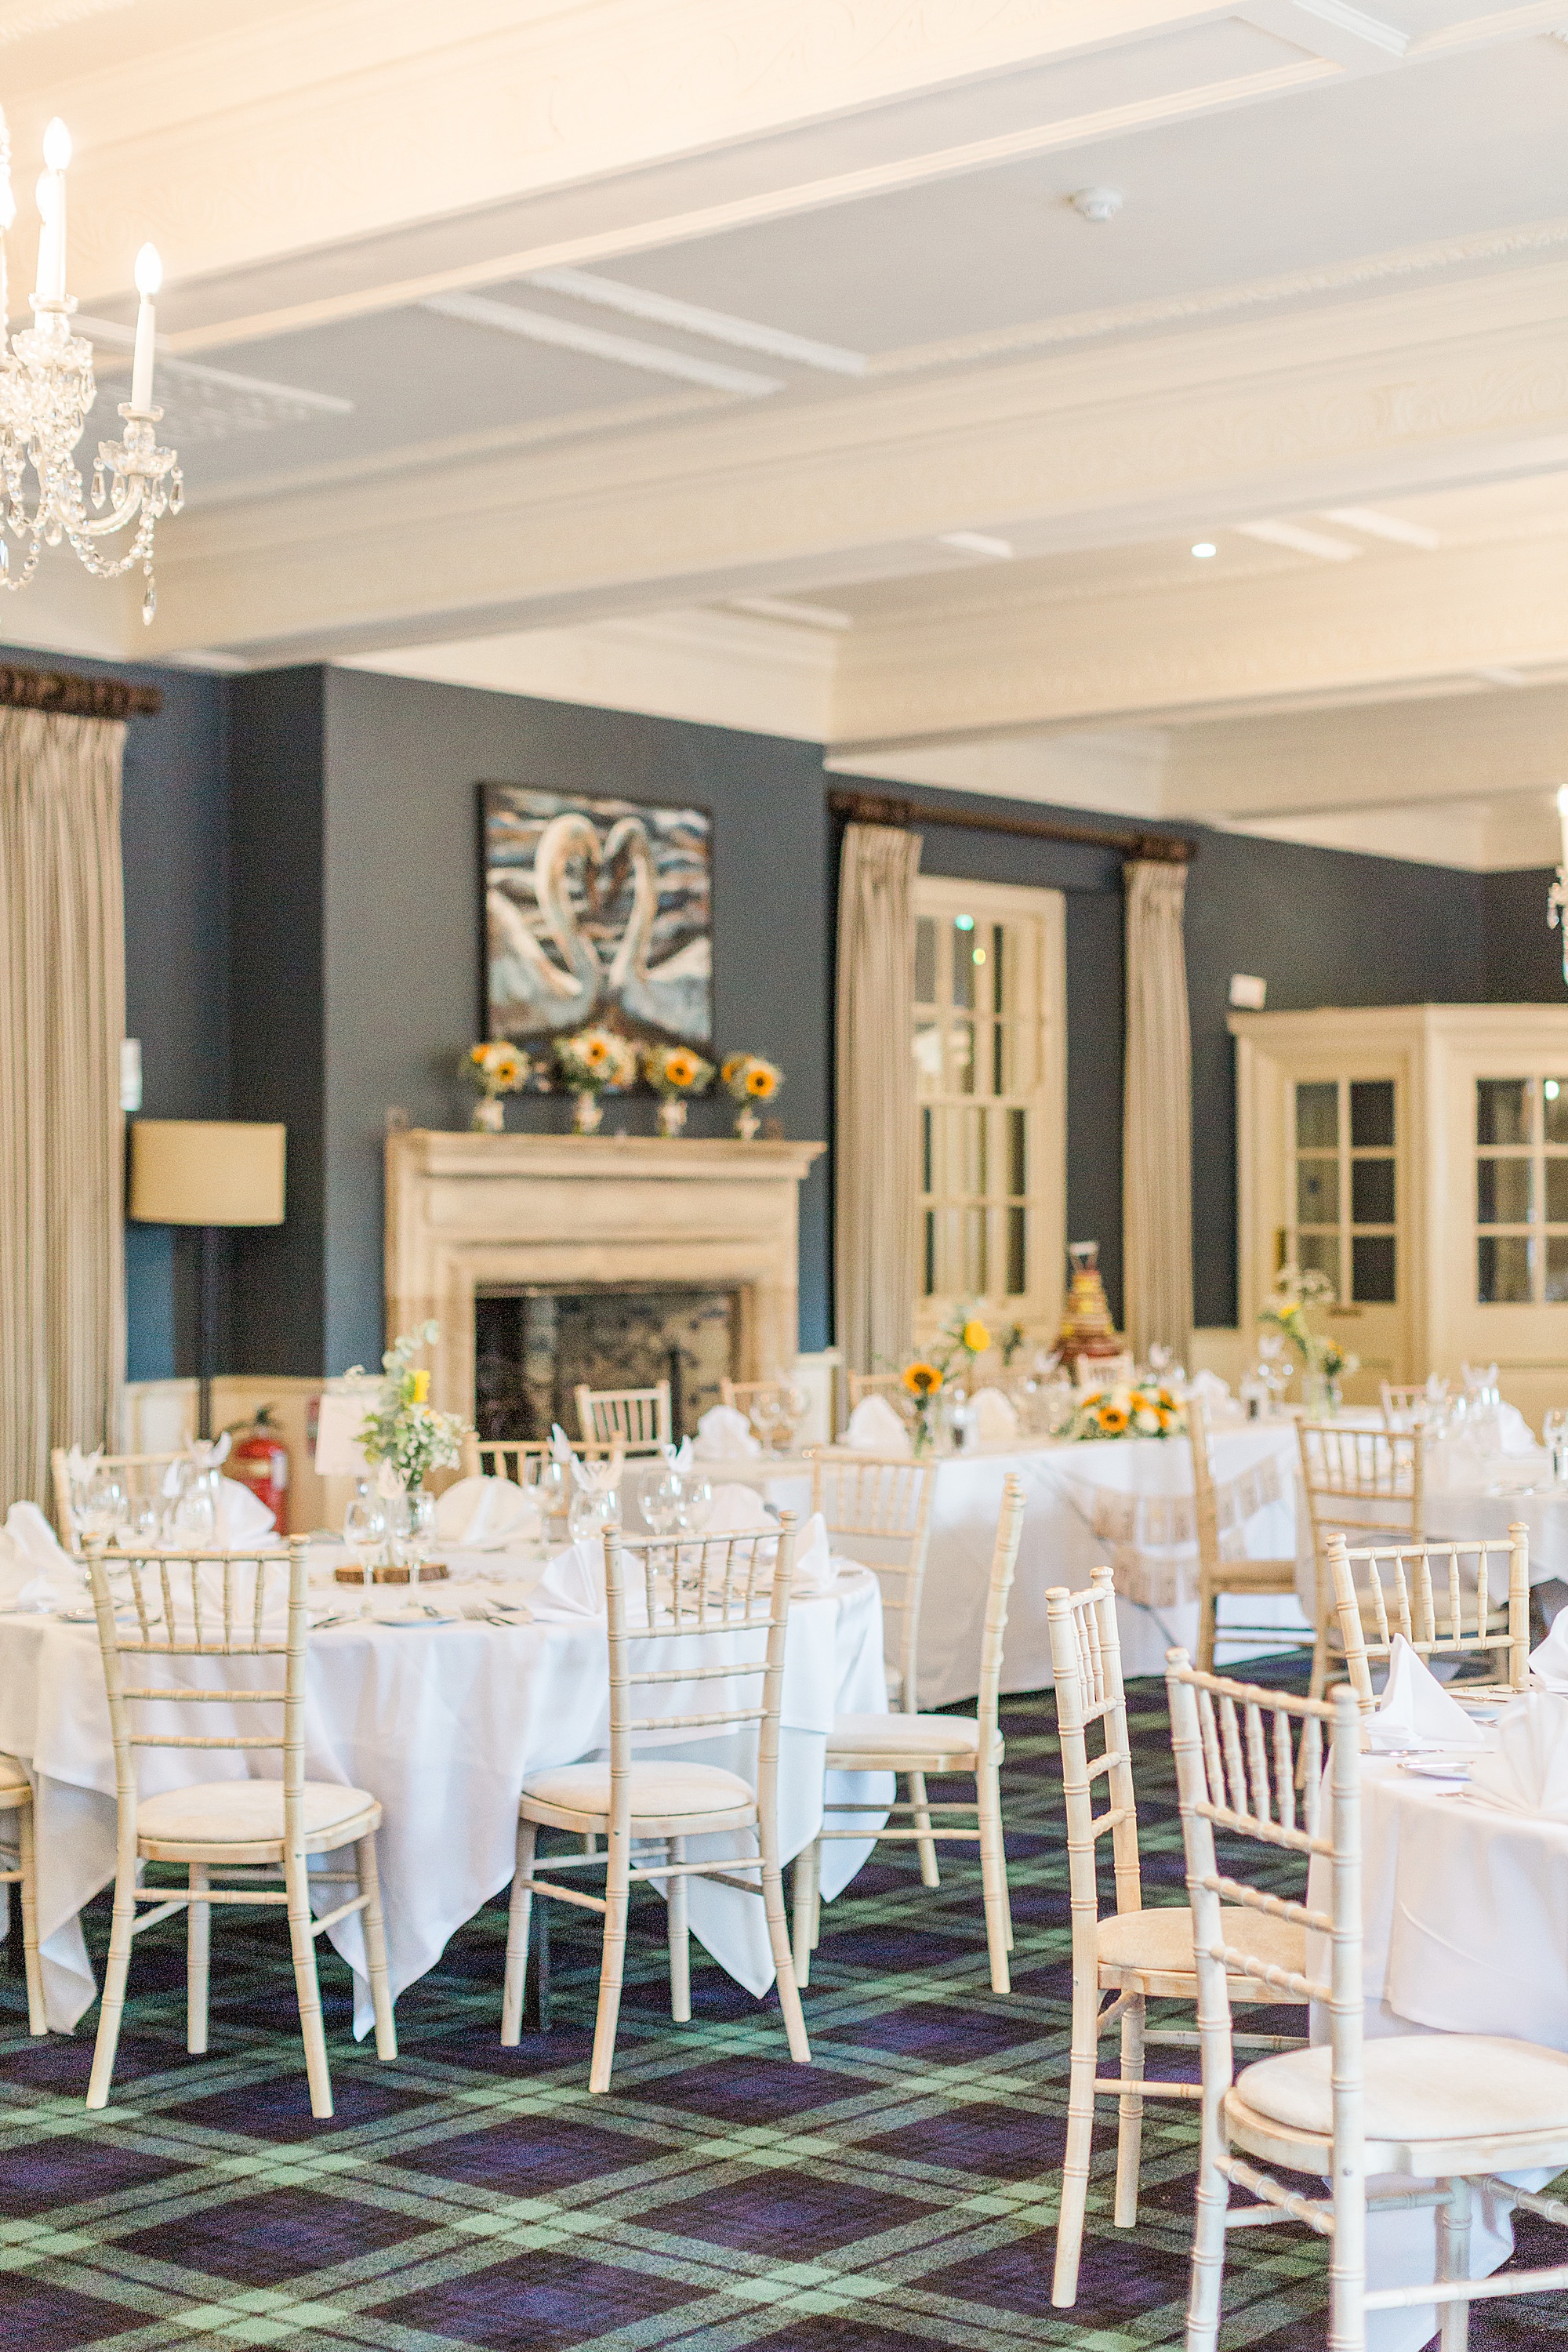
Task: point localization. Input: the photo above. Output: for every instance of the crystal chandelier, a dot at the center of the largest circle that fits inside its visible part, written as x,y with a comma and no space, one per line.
45,392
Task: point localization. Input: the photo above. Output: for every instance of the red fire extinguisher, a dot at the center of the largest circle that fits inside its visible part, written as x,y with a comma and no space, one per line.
260,1459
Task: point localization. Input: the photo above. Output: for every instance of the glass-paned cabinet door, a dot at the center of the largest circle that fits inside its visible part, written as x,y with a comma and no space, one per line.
989,1047
1521,1190
1345,1222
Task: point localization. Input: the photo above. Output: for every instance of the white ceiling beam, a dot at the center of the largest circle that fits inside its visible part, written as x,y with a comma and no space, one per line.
621,350
691,318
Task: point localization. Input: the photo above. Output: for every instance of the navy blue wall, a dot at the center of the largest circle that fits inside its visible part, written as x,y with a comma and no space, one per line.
340,977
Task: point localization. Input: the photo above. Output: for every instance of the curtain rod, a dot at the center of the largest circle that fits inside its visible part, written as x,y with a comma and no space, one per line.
66,693
880,808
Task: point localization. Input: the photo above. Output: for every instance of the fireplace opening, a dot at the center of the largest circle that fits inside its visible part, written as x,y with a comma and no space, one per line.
534,1344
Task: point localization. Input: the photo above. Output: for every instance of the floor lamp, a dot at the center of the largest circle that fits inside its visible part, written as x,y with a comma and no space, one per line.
213,1174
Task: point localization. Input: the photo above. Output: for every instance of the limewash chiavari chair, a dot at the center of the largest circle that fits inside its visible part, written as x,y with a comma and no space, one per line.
1455,2110
638,1419
142,1473
953,1746
731,1593
1406,1402
1357,1483
1419,1590
17,1810
883,1504
183,1608
1133,1955
888,1385
1216,1576
518,1458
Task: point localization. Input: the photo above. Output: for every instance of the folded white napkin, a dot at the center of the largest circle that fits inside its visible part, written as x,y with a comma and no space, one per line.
1527,1771
560,1446
34,1572
573,1583
739,1510
1514,1433
1548,1664
992,1419
814,1568
876,1428
242,1517
486,1512
723,1437
1416,1711
209,1453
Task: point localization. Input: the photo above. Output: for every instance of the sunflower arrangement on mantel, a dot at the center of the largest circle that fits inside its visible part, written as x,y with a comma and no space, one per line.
750,1080
588,1062
676,1073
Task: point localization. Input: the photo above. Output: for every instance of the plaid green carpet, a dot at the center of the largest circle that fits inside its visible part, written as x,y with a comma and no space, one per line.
899,2193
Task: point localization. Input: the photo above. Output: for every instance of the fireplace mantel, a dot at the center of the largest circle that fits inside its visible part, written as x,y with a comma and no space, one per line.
466,1210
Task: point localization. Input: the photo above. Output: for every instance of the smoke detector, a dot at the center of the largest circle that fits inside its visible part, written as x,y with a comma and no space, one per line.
1097,204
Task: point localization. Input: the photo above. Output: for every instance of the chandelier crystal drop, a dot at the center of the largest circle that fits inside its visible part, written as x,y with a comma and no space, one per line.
47,389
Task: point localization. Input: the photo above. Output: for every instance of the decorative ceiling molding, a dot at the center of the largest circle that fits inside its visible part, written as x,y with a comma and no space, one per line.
691,318
619,350
210,404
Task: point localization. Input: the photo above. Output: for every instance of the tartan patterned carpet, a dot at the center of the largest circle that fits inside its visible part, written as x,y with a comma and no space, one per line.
897,2194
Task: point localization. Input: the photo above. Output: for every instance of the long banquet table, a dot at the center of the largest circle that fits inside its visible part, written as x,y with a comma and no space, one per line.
441,1722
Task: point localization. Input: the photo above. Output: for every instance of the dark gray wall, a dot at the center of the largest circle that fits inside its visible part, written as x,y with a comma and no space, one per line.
345,979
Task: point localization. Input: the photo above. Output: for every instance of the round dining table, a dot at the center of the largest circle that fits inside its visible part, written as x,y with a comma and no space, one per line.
440,1718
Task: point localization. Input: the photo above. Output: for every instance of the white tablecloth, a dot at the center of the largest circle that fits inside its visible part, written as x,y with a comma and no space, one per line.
441,1723
1465,1930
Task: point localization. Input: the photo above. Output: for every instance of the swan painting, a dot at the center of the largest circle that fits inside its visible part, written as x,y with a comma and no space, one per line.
596,910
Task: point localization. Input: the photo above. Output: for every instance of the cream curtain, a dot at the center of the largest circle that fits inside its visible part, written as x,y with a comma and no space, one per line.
62,1013
875,1190
1157,1126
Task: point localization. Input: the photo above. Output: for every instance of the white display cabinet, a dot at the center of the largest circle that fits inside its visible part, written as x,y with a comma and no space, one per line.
1418,1155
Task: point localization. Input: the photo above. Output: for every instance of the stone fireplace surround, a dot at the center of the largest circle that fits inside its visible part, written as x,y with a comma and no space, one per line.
576,1211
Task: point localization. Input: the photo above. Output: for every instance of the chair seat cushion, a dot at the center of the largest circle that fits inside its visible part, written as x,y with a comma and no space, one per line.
243,1812
1161,1940
1421,2086
904,1735
658,1789
13,1780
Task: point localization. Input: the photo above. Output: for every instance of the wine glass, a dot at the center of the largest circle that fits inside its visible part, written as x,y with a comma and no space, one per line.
594,1509
143,1524
795,1406
696,1506
660,1501
103,1506
413,1518
365,1532
195,1516
1554,1436
767,1412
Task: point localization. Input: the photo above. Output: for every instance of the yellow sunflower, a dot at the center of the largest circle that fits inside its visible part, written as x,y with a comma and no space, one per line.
420,1389
595,1052
680,1067
727,1069
976,1336
1113,1420
922,1380
762,1083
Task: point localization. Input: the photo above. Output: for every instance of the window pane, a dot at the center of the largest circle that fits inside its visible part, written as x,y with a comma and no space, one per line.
999,1059
1372,1112
1554,1109
1372,1192
963,1050
926,1184
1017,1255
974,1272
928,1056
1320,1254
1017,1151
1556,1268
931,1252
1372,1269
1502,1110
1503,1190
1502,1269
974,1153
1557,1191
964,964
925,960
1317,1191
1001,969
1318,1116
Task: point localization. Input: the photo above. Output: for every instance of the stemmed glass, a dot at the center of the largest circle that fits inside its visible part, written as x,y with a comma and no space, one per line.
1554,1436
365,1532
660,1501
196,1515
695,1508
143,1524
767,1412
793,1406
413,1518
594,1509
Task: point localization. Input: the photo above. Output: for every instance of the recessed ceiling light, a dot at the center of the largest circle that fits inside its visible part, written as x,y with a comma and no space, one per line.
1206,547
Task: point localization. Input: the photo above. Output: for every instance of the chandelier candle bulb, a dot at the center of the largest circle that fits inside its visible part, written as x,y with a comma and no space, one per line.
51,195
149,277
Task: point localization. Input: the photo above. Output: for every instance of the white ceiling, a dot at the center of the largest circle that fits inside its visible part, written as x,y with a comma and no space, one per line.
748,358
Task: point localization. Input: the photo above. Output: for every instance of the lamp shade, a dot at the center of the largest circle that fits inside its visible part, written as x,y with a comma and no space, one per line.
206,1171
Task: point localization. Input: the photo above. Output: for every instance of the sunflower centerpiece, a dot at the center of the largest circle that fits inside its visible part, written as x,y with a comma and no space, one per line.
497,1068
588,1062
923,1386
1148,1411
676,1073
749,1081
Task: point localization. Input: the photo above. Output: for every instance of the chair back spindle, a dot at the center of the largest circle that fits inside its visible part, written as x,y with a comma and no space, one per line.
1449,1599
638,1420
881,1506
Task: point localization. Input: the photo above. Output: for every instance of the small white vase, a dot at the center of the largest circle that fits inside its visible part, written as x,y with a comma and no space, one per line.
587,1114
747,1122
672,1115
490,1115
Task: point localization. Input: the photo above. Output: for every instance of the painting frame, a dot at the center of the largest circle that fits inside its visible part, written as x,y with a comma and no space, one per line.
614,929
